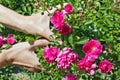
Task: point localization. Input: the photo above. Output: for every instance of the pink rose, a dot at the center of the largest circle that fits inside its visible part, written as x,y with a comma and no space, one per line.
1,40
92,47
70,77
67,8
62,59
84,64
65,57
66,29
73,57
105,66
10,39
57,19
50,53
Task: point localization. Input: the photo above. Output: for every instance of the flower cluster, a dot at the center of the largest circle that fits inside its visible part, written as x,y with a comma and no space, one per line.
92,50
9,39
57,19
63,58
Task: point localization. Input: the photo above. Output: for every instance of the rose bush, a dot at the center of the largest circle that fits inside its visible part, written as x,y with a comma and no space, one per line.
89,31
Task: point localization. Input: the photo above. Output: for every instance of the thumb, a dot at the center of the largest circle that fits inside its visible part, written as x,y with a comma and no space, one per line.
38,43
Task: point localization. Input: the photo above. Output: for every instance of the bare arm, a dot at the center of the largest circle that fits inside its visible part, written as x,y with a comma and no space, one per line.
34,24
12,19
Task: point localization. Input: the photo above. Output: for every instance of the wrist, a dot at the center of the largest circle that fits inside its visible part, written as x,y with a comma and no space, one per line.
6,55
4,59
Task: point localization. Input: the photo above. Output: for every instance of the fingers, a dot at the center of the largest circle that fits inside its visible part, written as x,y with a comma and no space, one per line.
40,43
29,67
28,61
47,34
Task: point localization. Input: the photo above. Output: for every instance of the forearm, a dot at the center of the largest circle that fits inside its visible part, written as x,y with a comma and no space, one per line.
11,19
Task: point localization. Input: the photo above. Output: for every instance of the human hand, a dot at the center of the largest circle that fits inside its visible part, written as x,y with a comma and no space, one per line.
39,24
22,54
34,24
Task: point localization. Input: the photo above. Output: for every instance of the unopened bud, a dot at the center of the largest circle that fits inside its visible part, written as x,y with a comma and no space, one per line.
93,66
92,72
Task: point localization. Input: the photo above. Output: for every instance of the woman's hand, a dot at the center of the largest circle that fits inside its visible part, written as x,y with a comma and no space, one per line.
35,24
39,24
22,54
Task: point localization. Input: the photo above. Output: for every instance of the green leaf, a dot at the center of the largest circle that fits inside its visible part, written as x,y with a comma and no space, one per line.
24,8
70,39
82,40
88,22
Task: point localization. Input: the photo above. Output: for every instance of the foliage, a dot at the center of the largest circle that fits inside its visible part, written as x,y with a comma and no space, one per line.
90,19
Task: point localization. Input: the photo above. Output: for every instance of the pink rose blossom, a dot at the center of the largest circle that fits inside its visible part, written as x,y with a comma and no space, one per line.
66,29
10,39
70,77
50,53
65,57
73,57
92,47
1,40
62,59
67,8
105,66
84,64
57,19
